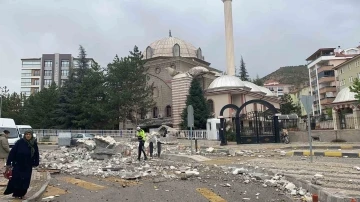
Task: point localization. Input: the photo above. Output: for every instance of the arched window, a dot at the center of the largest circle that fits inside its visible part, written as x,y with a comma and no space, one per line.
176,50
168,111
211,105
199,54
155,92
155,112
148,52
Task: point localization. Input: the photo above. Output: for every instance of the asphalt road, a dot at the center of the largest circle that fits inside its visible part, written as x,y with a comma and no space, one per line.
199,189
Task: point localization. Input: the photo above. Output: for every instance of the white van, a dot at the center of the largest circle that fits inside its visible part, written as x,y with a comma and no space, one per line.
23,128
9,124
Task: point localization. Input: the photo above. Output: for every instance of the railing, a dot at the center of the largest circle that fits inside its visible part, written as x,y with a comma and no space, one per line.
112,133
197,134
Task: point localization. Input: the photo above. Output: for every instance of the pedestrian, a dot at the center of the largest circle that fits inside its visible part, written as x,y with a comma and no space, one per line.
22,158
141,137
4,149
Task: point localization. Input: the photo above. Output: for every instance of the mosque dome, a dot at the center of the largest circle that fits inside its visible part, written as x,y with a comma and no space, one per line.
254,87
172,47
226,81
345,95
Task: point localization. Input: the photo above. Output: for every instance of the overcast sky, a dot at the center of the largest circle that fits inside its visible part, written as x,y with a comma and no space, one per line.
267,33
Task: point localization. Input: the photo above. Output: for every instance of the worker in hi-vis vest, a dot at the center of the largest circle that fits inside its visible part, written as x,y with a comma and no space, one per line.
141,137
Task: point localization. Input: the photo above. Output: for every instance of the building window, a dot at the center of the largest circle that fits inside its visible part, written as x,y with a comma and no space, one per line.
65,63
63,82
155,92
36,73
64,72
211,105
26,91
25,72
36,82
341,71
155,112
148,52
47,82
168,111
176,50
25,82
48,63
36,90
47,72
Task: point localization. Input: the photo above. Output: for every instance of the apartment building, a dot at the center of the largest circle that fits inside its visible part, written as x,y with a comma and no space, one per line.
347,72
296,94
277,88
322,80
39,73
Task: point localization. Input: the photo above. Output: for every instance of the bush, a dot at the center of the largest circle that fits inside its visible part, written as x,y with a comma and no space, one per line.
230,136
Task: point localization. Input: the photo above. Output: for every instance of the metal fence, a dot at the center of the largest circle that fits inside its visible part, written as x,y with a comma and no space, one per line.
197,134
112,133
343,123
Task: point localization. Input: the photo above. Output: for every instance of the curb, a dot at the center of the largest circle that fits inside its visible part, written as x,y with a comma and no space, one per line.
349,147
41,191
47,143
186,158
325,154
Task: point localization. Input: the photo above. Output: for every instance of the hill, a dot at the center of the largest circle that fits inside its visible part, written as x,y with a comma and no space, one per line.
294,75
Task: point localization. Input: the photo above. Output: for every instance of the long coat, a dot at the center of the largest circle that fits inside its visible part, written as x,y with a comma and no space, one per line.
22,162
4,147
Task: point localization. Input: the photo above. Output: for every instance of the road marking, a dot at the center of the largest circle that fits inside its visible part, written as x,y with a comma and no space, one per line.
307,153
52,191
122,182
346,147
333,154
82,183
211,196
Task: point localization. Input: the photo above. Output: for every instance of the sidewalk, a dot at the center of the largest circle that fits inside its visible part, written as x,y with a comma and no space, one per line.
38,184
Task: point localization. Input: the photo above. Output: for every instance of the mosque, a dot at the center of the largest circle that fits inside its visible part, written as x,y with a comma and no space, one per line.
172,63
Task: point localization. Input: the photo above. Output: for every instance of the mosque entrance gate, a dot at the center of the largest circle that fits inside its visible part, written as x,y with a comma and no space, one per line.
253,127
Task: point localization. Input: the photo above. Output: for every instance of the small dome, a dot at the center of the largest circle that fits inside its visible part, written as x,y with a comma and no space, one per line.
254,87
169,47
198,70
182,75
226,81
266,90
345,95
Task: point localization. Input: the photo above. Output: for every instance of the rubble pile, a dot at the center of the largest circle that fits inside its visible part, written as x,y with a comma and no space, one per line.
277,181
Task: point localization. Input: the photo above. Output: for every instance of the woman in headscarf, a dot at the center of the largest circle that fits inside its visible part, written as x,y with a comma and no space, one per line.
22,158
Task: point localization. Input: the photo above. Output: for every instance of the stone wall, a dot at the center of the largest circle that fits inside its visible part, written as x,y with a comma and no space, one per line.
350,135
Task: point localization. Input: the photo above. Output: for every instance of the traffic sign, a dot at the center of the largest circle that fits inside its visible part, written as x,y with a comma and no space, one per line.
307,101
190,117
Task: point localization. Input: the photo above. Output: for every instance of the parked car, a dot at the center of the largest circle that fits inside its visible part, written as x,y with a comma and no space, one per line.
84,136
9,124
23,128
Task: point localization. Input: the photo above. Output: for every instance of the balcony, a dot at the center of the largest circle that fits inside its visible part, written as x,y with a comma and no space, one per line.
327,89
326,79
327,100
325,68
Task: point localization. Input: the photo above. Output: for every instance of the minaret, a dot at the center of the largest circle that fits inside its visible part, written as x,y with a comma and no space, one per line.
229,37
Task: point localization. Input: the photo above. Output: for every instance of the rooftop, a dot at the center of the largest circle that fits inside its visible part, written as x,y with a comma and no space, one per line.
321,52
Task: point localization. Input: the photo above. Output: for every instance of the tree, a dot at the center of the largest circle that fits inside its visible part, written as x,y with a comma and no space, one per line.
243,74
258,81
355,88
11,106
287,106
82,98
39,108
127,88
198,101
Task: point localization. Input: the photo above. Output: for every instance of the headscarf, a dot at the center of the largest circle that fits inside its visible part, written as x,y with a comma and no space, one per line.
30,142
